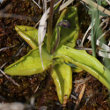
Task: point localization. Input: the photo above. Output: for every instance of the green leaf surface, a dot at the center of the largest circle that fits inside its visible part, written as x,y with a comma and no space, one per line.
68,35
29,34
30,64
62,76
85,61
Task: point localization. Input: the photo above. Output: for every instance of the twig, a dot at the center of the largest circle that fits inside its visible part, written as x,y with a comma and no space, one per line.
9,78
80,97
3,65
82,81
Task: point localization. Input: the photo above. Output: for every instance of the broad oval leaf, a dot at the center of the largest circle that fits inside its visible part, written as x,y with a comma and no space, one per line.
30,64
29,34
62,76
85,61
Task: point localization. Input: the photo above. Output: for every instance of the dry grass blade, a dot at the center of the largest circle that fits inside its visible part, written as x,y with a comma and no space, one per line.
95,5
85,35
65,4
36,3
44,5
5,48
108,1
42,32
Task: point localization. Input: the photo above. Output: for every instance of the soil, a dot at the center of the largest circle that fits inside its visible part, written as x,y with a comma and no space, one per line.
41,86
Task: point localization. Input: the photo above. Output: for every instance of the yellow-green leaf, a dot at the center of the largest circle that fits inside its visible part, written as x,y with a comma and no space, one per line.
30,64
29,34
62,76
85,61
